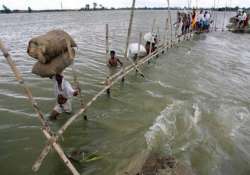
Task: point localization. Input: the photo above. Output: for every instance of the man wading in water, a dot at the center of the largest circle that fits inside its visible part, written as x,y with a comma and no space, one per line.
63,92
113,61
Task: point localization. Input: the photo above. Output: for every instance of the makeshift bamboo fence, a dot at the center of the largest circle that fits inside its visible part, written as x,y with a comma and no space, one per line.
45,127
52,137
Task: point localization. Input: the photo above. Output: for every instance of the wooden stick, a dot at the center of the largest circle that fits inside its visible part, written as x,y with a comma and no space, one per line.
165,37
129,35
216,17
107,43
170,23
26,89
158,32
152,30
107,56
46,129
130,28
224,17
76,82
139,46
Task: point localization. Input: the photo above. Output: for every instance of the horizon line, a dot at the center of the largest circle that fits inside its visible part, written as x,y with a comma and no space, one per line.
117,8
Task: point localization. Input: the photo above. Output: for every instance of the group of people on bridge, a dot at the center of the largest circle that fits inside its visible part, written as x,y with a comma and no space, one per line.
195,21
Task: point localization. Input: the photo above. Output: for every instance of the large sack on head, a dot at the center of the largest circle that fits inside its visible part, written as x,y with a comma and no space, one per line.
149,37
47,47
56,66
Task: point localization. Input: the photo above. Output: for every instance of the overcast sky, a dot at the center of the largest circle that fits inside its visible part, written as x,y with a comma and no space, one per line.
76,4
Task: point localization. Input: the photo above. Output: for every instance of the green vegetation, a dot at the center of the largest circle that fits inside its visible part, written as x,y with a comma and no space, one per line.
29,10
6,9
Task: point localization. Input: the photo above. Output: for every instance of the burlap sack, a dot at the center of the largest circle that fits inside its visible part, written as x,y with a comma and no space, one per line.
49,46
55,66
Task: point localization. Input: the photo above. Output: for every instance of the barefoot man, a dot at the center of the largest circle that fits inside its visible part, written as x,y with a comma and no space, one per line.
63,92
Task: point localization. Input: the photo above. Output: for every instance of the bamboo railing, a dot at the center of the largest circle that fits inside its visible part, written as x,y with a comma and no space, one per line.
45,127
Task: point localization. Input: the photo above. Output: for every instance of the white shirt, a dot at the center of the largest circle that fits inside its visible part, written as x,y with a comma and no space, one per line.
67,90
244,17
207,17
200,17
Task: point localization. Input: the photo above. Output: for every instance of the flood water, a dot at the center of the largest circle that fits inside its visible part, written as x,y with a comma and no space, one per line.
193,104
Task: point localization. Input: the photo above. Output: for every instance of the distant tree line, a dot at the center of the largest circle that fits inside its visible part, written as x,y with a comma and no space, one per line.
96,6
8,10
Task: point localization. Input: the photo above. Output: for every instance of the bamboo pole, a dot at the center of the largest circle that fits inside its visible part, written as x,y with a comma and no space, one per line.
26,89
46,129
139,45
216,18
76,81
61,154
107,43
107,55
129,35
224,17
170,23
213,15
130,28
152,30
158,33
165,37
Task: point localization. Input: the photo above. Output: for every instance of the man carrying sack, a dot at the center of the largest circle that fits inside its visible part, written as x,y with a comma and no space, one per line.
54,52
63,93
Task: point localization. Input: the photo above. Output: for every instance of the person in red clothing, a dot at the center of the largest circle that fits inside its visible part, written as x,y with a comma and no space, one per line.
246,22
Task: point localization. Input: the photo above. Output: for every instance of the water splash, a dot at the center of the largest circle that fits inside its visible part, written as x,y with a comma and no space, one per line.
164,127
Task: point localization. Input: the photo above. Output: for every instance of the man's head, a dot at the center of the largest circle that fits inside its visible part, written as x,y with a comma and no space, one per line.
112,53
59,78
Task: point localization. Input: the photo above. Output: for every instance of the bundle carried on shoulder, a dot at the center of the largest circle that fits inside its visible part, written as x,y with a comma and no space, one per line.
52,51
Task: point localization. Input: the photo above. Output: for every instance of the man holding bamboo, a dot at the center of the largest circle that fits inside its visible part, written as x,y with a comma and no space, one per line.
63,92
